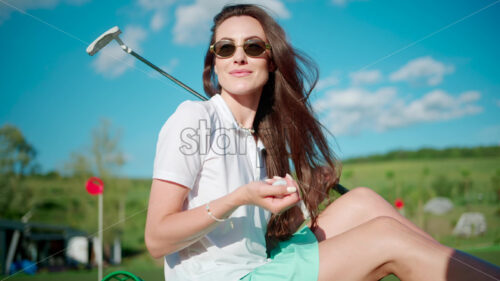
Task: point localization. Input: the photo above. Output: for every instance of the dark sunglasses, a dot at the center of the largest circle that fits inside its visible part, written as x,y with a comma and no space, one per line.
253,48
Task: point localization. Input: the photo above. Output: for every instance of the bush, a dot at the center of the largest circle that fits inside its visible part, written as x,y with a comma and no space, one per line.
442,186
495,185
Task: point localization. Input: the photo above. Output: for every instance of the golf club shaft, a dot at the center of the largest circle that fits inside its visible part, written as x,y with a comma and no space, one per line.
139,57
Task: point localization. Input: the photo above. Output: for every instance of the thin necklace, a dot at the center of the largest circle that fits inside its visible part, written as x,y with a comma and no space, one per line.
250,130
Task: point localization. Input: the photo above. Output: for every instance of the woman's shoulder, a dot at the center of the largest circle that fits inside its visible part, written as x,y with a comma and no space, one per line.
192,113
192,107
196,109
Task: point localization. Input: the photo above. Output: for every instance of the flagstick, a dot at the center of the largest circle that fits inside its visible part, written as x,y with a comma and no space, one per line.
99,254
95,186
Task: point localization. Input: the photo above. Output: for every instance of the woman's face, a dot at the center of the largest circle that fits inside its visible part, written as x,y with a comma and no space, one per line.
241,74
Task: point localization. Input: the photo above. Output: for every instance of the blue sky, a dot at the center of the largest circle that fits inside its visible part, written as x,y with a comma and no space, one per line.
393,74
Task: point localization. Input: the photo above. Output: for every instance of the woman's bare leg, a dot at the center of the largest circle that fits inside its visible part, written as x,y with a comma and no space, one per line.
357,207
383,245
365,238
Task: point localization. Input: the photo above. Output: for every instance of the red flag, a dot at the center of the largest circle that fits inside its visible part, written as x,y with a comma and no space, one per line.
399,203
95,186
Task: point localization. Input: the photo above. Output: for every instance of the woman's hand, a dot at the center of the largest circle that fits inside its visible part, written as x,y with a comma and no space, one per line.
276,198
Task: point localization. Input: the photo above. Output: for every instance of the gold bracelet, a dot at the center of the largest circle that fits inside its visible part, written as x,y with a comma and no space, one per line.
207,207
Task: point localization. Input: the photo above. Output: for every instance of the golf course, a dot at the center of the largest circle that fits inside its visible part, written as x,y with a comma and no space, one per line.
472,183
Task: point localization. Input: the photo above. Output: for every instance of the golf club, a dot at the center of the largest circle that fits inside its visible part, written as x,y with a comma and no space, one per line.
113,34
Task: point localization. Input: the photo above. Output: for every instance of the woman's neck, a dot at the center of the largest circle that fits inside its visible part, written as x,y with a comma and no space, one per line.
243,107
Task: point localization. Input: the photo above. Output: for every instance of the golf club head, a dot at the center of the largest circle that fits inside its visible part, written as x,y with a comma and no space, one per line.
103,40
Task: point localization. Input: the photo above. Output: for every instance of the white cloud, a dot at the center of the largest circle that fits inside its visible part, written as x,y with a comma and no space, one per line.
25,5
158,21
498,103
112,61
343,3
352,110
155,4
193,22
169,68
331,80
422,69
437,105
172,64
365,77
160,8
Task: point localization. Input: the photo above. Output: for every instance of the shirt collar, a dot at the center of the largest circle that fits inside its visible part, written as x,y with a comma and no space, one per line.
228,115
224,109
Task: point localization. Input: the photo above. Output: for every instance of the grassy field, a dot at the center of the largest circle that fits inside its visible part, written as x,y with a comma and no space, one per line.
419,180
411,174
471,183
151,270
142,265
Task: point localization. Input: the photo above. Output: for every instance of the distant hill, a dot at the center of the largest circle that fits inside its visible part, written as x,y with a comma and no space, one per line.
430,153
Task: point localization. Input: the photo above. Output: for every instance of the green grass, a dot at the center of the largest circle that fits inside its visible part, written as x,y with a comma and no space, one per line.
151,270
416,180
146,275
412,180
142,265
490,254
412,171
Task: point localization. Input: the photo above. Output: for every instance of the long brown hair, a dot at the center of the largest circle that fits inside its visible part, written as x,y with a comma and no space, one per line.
284,121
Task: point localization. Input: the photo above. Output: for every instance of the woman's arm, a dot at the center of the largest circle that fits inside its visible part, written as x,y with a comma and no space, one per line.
169,229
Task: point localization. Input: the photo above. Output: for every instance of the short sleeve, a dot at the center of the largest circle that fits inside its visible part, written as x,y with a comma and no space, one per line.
178,150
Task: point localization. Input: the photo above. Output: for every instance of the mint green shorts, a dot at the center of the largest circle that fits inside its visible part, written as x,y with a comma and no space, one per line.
294,259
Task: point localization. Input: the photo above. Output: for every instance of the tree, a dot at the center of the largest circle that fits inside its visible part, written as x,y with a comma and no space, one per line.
105,149
16,160
16,154
103,158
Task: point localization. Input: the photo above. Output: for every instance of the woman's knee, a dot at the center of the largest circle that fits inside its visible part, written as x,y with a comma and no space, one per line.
364,198
359,205
391,231
386,223
387,234
363,193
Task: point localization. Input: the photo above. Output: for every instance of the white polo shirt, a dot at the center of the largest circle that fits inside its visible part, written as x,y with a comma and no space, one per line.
202,147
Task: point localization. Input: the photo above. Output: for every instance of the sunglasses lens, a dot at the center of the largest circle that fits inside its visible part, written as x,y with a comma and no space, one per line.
224,49
254,47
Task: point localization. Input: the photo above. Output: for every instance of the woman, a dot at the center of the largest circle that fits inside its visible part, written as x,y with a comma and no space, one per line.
213,210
